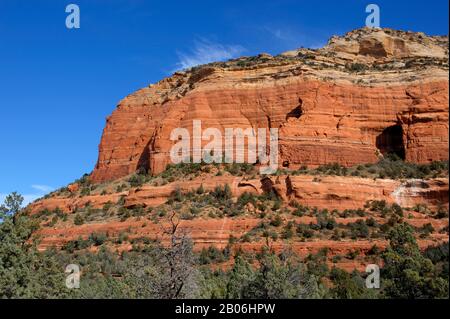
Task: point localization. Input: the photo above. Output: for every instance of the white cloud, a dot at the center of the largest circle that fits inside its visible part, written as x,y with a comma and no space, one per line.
42,188
290,38
280,34
205,51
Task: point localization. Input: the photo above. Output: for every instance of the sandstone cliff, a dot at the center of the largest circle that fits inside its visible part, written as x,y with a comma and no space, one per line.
365,94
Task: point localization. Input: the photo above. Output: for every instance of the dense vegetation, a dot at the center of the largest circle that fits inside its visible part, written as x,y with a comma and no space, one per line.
391,166
150,270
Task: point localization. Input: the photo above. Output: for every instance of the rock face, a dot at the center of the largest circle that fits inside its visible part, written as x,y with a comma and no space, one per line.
373,44
366,94
217,232
330,192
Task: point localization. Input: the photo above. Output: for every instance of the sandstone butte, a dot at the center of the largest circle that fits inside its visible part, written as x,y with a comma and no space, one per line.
324,113
365,94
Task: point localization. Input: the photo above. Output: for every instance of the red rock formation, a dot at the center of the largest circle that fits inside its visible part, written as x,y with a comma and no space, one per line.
324,112
217,232
331,192
366,94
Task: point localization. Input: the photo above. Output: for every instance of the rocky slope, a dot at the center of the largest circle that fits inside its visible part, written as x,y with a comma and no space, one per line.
323,192
131,215
362,96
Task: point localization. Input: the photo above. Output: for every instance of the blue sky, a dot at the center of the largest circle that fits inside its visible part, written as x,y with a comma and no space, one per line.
58,85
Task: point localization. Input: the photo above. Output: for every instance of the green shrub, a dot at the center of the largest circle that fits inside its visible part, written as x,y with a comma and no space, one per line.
85,191
78,220
356,67
374,251
246,198
276,205
441,213
212,255
200,190
352,254
124,214
136,180
222,193
325,222
304,231
176,196
426,230
359,229
288,231
97,239
371,222
277,221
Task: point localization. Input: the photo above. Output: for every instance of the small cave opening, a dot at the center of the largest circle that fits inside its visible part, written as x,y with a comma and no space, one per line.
296,112
390,141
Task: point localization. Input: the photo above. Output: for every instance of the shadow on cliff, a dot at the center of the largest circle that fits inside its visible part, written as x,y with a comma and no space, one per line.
391,141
